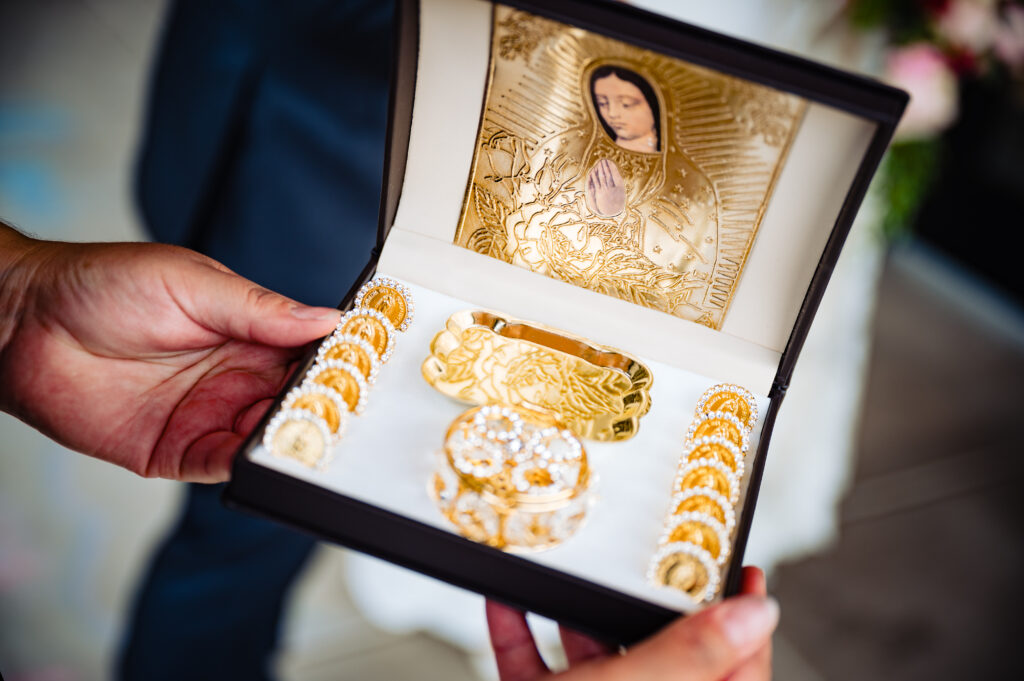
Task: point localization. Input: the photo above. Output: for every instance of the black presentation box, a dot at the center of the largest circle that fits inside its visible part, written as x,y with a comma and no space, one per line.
620,177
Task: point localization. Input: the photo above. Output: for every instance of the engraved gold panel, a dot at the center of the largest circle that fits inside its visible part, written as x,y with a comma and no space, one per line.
481,358
621,170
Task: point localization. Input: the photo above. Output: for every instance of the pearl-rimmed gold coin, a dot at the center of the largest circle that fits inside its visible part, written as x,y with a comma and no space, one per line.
707,501
322,407
709,473
730,399
697,534
717,448
685,567
344,379
390,298
683,572
372,327
355,351
321,401
298,435
719,424
700,530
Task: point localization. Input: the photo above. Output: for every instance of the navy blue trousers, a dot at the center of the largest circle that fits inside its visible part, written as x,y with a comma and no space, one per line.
263,149
212,599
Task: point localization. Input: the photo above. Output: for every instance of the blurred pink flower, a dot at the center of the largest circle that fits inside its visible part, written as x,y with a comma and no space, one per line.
970,24
921,70
1009,45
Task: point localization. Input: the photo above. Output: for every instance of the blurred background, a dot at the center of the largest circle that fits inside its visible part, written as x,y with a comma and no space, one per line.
891,512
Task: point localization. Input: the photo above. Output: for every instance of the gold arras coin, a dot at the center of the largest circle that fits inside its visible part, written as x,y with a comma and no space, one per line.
700,530
388,302
686,572
390,298
320,405
704,500
718,424
709,473
344,379
356,351
697,534
353,354
370,330
299,440
730,399
372,327
717,448
343,383
298,435
320,401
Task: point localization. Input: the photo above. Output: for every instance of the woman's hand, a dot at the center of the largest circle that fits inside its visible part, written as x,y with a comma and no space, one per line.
149,356
731,640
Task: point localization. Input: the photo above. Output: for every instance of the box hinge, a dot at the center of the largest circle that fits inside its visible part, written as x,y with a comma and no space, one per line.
778,389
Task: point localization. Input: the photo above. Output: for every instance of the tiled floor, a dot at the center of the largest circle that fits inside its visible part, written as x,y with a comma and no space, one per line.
921,584
925,581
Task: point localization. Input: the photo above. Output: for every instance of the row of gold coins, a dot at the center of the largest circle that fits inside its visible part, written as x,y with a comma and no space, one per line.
695,542
314,415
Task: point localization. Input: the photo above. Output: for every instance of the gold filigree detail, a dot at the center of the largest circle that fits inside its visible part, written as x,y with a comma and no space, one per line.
521,34
482,358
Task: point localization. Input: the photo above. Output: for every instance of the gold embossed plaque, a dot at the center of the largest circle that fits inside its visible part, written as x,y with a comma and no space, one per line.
621,170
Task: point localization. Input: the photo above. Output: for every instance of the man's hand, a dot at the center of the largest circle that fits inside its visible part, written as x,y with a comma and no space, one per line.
149,356
731,640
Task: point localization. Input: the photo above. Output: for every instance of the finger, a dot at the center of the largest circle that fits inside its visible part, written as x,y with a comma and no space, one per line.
514,648
580,648
236,307
606,169
758,667
209,458
753,581
248,419
709,645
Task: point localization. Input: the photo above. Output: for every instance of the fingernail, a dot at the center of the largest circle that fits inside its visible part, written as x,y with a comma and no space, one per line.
317,313
749,619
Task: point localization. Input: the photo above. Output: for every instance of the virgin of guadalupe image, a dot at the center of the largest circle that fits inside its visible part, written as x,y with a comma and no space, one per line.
678,233
583,171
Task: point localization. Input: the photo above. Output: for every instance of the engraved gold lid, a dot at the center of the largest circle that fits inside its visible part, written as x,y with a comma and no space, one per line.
481,357
516,458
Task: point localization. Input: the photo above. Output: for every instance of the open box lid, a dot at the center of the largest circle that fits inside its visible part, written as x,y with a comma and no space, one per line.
777,264
839,128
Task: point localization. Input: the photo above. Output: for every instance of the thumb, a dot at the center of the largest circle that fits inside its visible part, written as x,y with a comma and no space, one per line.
705,647
233,306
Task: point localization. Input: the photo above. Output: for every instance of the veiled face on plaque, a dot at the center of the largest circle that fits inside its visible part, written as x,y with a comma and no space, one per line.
621,170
